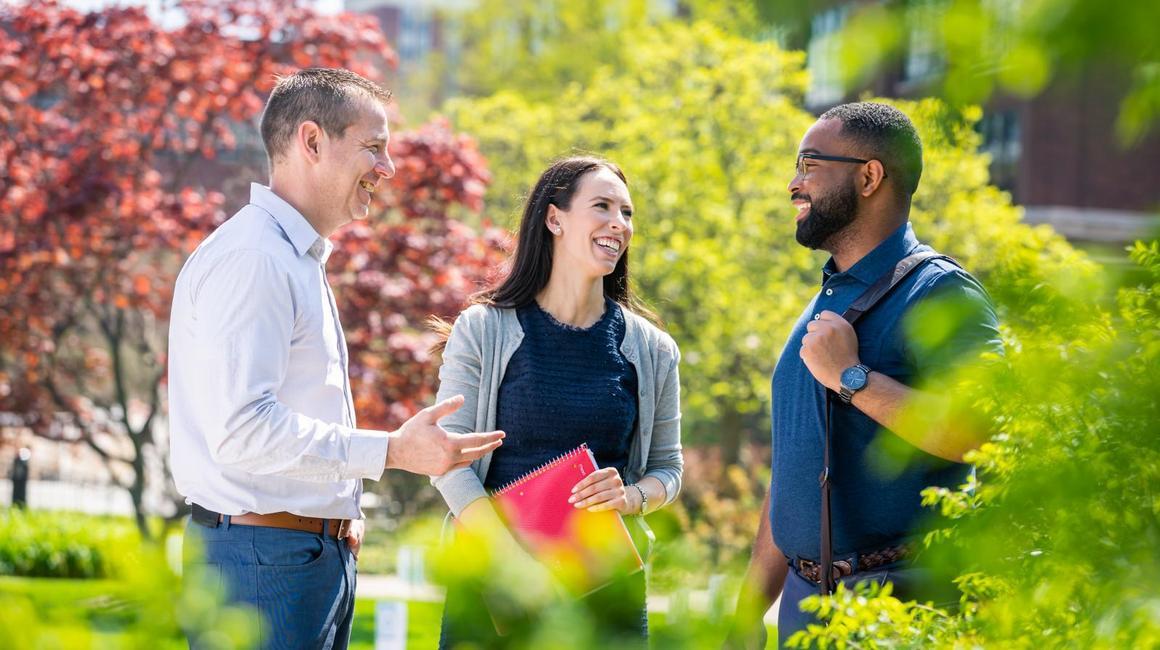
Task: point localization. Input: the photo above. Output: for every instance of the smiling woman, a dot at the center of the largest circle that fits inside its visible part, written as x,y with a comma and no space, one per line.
558,355
591,232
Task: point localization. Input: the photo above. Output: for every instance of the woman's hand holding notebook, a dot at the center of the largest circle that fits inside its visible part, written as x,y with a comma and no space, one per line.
585,550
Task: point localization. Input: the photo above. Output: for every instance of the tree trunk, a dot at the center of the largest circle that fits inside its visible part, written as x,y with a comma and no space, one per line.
732,437
137,489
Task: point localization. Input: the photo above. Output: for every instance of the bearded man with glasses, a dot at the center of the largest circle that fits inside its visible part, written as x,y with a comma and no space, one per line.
842,507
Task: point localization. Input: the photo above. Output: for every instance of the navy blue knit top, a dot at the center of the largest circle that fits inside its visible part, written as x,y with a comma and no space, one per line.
564,386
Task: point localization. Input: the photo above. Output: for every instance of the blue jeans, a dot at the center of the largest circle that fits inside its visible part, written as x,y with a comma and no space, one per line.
301,583
910,583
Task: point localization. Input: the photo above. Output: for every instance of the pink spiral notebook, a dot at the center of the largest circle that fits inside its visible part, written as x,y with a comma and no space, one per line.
584,550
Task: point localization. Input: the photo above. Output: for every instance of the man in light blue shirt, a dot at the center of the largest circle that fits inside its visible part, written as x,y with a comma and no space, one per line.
264,442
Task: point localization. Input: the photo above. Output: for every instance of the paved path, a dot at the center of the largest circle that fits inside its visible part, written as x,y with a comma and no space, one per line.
383,587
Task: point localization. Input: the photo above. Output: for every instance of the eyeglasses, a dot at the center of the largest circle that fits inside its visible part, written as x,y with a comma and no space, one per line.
801,169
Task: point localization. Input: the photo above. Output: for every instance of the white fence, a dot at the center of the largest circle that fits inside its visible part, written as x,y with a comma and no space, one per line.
97,499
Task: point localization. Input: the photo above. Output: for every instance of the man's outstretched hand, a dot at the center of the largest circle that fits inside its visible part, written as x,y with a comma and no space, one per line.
421,446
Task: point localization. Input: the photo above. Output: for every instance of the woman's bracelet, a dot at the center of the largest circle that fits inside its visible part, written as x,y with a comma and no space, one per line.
643,498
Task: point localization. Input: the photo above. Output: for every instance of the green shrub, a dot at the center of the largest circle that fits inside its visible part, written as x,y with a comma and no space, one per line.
146,606
64,545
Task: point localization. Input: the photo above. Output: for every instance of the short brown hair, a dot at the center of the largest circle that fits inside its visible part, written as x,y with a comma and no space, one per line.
325,96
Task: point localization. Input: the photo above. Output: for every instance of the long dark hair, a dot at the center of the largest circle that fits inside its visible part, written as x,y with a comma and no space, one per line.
531,263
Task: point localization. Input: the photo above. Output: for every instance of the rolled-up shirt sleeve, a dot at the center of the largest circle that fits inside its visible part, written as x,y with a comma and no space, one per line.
953,323
245,309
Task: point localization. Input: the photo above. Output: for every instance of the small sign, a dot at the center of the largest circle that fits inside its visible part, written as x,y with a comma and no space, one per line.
390,625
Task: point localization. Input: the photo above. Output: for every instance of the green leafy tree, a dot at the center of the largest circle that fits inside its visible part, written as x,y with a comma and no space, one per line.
532,45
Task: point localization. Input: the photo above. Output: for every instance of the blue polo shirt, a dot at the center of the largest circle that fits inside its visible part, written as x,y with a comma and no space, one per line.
876,476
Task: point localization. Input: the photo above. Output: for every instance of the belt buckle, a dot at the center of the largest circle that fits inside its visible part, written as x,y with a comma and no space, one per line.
812,571
343,528
809,569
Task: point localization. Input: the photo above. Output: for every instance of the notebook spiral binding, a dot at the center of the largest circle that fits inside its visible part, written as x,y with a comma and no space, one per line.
541,469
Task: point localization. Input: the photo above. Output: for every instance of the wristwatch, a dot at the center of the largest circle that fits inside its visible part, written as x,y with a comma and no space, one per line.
853,380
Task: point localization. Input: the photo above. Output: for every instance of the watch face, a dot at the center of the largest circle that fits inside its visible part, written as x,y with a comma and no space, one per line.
854,378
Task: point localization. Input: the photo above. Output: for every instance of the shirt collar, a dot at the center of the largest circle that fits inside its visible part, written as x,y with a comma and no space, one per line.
303,237
878,261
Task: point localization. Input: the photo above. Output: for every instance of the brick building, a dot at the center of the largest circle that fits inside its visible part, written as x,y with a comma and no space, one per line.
1057,153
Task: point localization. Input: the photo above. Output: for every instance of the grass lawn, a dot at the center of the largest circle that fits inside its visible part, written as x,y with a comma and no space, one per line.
422,625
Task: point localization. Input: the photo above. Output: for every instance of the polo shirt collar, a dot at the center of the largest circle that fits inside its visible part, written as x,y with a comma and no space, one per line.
878,261
302,236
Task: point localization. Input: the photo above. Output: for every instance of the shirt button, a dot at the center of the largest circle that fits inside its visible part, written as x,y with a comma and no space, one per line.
829,292
817,316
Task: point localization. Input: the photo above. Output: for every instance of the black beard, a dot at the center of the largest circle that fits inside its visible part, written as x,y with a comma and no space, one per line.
827,217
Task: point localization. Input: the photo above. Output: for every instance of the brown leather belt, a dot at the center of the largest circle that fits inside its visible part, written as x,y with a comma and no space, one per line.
812,571
334,527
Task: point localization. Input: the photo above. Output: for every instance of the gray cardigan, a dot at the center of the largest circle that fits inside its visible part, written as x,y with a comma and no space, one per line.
481,344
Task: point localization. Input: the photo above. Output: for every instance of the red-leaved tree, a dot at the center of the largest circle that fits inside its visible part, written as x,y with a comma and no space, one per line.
111,125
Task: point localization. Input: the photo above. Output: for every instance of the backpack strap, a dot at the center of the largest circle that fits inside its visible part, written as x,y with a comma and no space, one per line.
889,281
865,302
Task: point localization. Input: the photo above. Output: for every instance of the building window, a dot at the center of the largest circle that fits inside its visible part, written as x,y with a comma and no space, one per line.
823,57
1002,141
923,51
415,34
